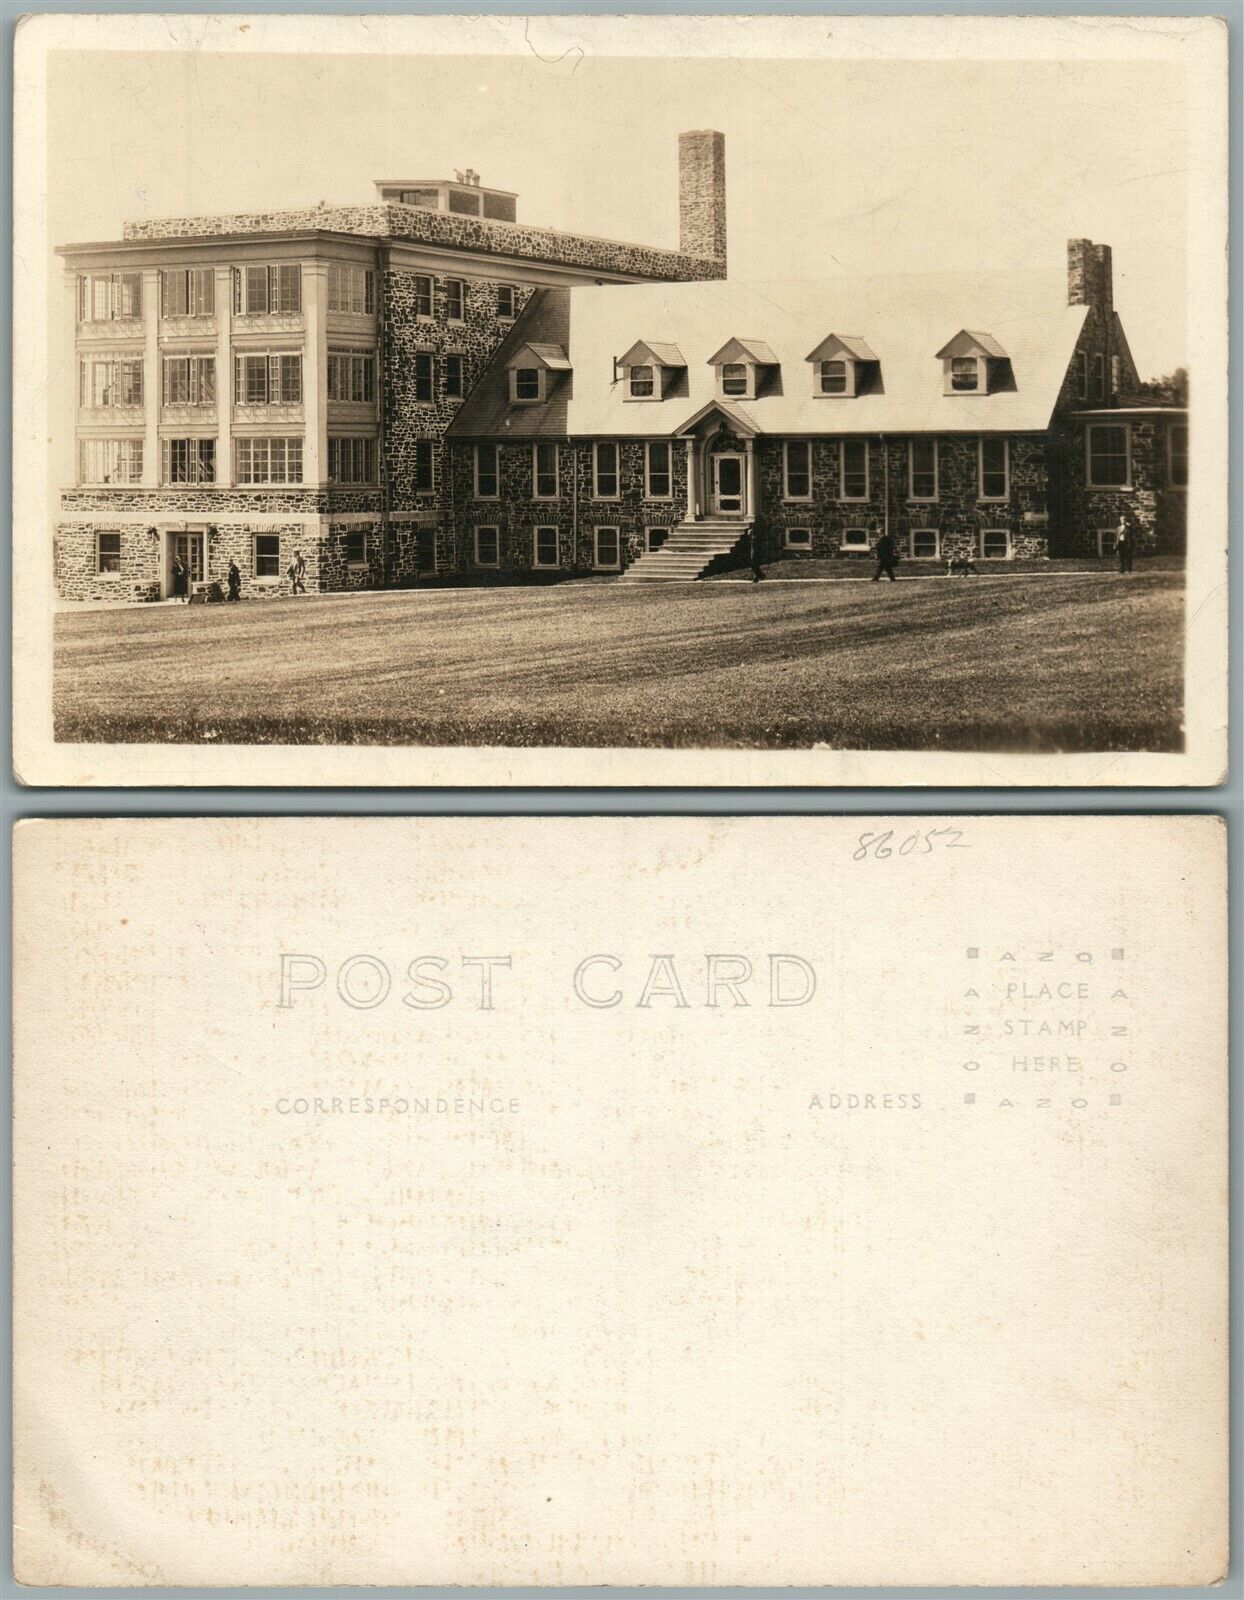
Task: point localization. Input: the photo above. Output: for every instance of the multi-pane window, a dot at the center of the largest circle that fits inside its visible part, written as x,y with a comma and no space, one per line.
544,547
267,460
505,299
1081,379
995,544
487,472
797,470
922,469
455,382
994,469
608,548
798,538
658,469
1109,456
423,295
189,380
854,470
188,292
188,461
455,299
110,297
605,471
111,381
527,383
356,547
425,377
352,376
734,378
267,555
110,461
1177,450
833,375
257,290
351,289
964,374
425,466
641,382
351,460
487,547
1099,377
267,379
855,538
544,470
922,544
108,551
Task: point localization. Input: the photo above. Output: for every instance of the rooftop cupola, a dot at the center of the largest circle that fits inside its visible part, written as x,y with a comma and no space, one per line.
462,196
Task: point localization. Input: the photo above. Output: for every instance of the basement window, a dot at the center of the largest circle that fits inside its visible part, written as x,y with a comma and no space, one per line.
608,552
923,544
487,547
855,538
544,547
798,539
996,544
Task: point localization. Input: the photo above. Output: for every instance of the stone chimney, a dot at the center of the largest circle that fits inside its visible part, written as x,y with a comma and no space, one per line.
1090,275
702,193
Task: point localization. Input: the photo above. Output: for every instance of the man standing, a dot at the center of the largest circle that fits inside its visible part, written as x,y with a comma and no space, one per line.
885,558
298,573
1123,544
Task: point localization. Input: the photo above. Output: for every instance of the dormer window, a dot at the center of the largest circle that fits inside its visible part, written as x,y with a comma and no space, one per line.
641,383
526,385
534,370
650,371
735,378
843,366
745,368
974,363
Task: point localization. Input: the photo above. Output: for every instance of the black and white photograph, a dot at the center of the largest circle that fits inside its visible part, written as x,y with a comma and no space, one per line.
555,402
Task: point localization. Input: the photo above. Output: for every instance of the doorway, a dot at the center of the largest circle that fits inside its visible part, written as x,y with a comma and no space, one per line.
729,494
186,564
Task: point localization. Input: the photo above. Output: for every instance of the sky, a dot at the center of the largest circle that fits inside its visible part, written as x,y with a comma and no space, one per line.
832,166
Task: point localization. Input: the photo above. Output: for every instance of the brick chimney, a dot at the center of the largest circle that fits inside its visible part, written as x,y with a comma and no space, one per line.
702,193
1090,275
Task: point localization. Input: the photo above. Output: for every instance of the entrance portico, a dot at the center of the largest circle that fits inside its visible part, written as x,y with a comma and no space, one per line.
721,468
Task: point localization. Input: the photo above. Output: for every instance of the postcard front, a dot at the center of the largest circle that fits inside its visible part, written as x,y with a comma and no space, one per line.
580,1202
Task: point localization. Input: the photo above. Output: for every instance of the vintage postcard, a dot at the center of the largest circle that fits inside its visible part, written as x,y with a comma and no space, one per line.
621,400
660,1201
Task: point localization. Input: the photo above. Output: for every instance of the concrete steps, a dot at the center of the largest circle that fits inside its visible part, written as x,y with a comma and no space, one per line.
689,551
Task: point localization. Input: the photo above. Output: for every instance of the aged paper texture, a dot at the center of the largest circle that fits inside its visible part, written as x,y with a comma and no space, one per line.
506,401
591,1202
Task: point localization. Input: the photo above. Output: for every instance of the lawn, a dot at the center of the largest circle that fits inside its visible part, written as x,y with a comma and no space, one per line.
1085,662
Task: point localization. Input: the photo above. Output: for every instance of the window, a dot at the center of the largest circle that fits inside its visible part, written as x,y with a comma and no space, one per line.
964,374
854,470
352,376
641,383
267,460
922,469
425,377
605,472
1099,377
188,461
833,376
994,469
855,538
108,552
423,295
1105,541
454,381
608,554
797,470
734,378
258,290
455,299
351,289
798,538
1177,455
923,544
113,381
267,555
110,461
505,300
1109,456
654,538
356,547
527,383
487,547
425,466
110,297
428,198
189,292
1116,368
544,548
189,380
995,544
657,468
544,470
1081,379
267,379
487,472
351,460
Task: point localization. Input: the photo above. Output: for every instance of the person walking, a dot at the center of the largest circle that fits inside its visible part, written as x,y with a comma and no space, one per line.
885,554
298,573
181,580
1123,546
235,581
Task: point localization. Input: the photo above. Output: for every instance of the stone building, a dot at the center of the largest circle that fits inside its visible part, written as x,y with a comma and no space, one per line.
250,386
992,416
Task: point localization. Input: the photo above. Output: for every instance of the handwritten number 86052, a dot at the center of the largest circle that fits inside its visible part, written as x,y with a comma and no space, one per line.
922,842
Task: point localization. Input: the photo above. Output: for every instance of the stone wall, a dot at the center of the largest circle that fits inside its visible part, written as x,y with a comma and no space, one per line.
1158,510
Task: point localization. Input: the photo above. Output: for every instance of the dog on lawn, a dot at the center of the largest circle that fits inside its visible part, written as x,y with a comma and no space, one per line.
960,566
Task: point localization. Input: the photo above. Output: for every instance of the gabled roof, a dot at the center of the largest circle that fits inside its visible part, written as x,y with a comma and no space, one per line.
487,412
967,343
840,344
732,413
644,353
744,350
551,356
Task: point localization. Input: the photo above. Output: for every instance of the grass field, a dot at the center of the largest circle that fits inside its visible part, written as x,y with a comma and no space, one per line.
1090,662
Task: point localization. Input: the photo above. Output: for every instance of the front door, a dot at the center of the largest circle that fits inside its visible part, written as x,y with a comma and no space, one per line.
186,563
728,490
